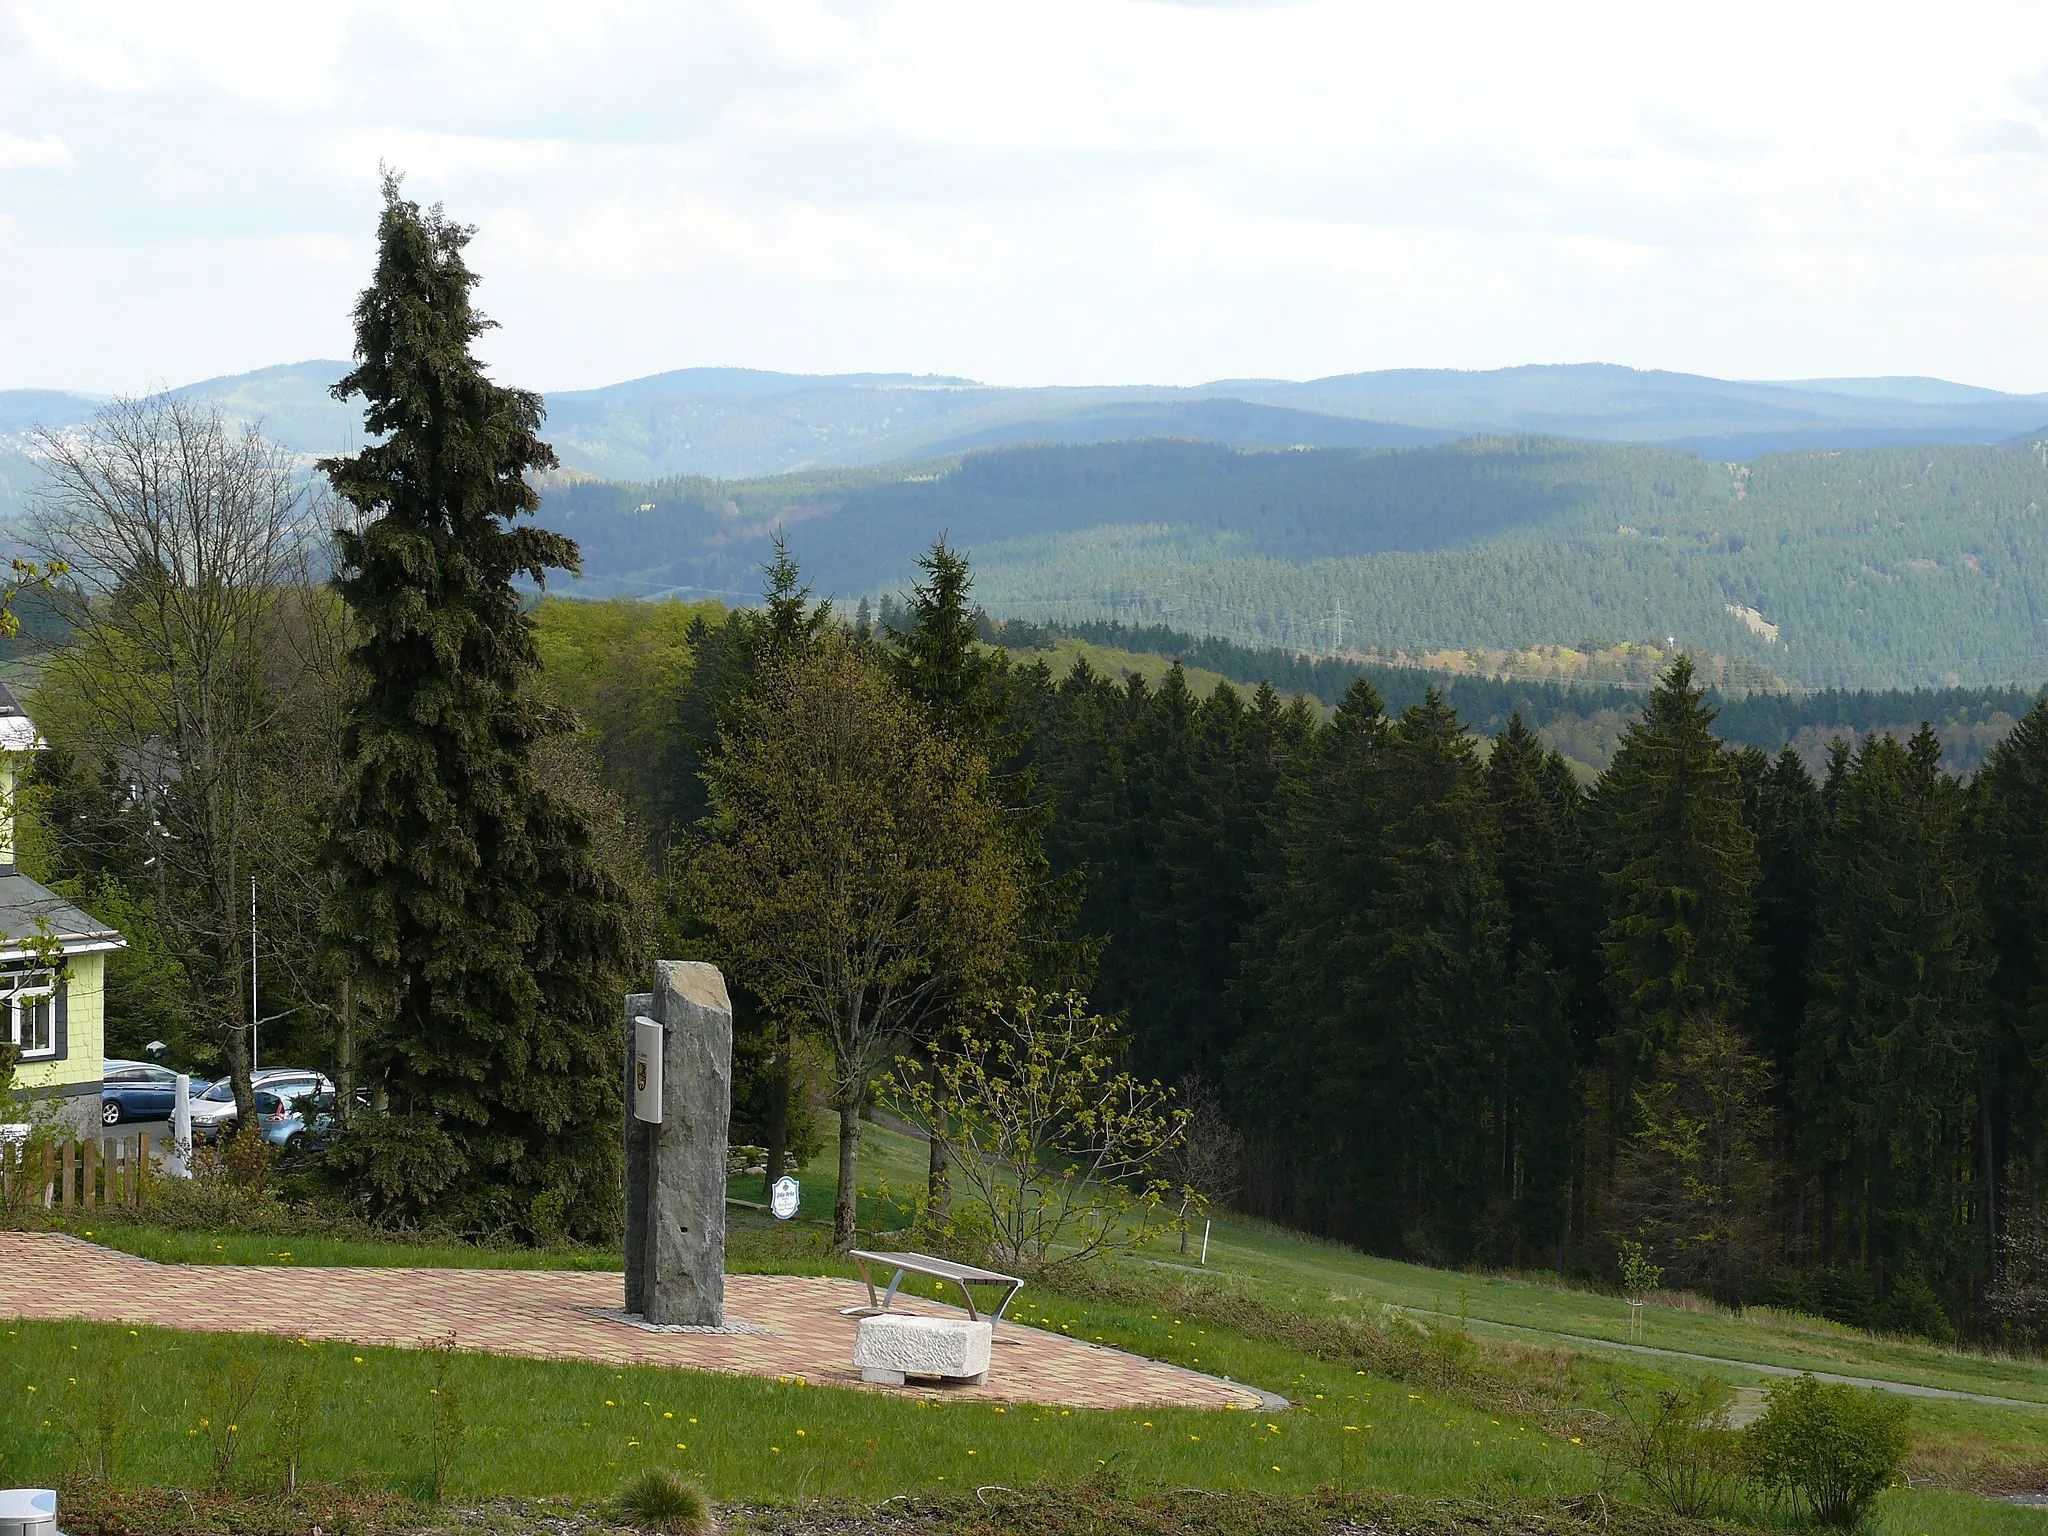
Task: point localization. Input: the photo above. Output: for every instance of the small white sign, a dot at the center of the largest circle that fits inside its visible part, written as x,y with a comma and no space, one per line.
782,1199
646,1069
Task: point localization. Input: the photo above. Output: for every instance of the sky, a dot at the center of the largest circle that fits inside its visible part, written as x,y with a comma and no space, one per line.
1112,191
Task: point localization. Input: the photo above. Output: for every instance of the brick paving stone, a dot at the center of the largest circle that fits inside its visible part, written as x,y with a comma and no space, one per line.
545,1314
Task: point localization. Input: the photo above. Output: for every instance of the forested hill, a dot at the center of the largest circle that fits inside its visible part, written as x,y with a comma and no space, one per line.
1867,568
1583,722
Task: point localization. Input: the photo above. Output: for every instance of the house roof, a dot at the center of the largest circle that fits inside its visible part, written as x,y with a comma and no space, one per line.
22,902
17,731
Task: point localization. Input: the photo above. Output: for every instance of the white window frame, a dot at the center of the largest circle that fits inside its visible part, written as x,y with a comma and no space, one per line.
31,1012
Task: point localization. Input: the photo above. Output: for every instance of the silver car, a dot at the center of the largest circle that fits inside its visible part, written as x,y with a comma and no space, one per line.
214,1111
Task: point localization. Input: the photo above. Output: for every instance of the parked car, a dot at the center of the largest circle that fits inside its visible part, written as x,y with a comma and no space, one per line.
303,1124
137,1090
214,1111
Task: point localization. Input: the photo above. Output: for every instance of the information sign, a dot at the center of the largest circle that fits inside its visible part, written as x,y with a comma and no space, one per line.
782,1200
647,1069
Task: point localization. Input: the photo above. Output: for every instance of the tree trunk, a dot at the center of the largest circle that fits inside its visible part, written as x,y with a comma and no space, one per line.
345,1057
236,1041
778,1121
846,1209
938,1188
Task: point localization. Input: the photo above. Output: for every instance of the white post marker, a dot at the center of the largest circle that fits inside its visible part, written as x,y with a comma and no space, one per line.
181,1129
783,1198
1205,1243
647,1069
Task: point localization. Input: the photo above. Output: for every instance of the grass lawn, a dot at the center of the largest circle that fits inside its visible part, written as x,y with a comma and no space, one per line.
547,1427
544,1427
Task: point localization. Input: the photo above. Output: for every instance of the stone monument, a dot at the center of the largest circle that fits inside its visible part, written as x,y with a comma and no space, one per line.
679,1068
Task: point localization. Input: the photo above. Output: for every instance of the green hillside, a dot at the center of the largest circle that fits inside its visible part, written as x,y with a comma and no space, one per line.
1868,568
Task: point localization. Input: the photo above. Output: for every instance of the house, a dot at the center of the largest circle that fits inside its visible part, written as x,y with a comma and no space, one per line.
53,965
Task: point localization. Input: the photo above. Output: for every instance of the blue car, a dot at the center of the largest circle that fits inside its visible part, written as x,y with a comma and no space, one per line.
137,1090
304,1124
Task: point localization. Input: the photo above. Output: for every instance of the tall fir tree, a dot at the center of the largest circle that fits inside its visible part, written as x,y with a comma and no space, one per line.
471,912
1887,1067
938,660
1680,867
2010,834
1318,1088
1436,986
1550,900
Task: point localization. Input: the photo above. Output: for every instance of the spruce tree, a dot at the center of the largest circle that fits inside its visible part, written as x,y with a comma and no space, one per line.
1318,1088
1546,881
1788,816
2011,838
471,913
1436,988
1681,871
938,660
1890,1059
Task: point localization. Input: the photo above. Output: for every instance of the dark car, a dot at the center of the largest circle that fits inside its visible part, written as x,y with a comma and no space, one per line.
137,1090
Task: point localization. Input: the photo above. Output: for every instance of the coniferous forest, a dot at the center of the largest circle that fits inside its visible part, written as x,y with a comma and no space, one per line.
1786,1031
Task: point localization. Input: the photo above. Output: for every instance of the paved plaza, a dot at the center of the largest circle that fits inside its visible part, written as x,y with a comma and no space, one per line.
552,1315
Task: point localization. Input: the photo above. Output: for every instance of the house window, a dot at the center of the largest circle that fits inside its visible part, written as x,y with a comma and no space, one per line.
31,1017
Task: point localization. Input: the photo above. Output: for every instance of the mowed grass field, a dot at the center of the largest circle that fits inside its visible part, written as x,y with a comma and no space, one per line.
548,1428
545,1427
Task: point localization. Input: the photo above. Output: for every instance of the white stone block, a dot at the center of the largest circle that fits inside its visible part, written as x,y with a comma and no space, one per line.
893,1346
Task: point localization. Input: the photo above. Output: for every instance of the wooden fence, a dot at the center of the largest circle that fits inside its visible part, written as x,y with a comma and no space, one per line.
100,1171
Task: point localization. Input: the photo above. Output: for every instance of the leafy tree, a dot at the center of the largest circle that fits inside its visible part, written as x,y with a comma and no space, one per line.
1695,1178
472,913
853,873
1069,1155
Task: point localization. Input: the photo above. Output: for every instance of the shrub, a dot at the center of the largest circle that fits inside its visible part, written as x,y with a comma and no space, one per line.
547,1217
1832,1448
1676,1444
221,1195
658,1500
1913,1308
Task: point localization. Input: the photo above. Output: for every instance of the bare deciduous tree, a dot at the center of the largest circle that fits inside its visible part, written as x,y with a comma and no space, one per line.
186,542
1208,1162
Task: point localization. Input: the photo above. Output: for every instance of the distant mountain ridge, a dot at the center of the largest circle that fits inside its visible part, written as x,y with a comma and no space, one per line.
1856,568
736,423
1372,514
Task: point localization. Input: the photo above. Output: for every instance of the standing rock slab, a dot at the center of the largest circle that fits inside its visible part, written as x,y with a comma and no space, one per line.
683,1281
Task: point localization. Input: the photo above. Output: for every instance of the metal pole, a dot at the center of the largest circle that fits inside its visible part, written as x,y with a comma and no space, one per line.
254,1022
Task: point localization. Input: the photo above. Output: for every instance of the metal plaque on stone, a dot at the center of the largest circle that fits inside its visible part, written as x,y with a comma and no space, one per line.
647,1069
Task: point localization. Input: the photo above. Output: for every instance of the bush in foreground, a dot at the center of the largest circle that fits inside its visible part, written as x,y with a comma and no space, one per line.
1832,1448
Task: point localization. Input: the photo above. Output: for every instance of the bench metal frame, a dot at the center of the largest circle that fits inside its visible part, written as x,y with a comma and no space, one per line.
966,1276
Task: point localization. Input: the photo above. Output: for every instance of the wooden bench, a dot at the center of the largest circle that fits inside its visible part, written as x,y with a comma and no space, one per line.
966,1276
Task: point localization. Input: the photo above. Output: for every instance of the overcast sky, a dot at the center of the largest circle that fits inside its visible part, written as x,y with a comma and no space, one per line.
1041,192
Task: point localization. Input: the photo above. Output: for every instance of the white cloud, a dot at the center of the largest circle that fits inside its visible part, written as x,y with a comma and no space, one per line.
1041,190
47,152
